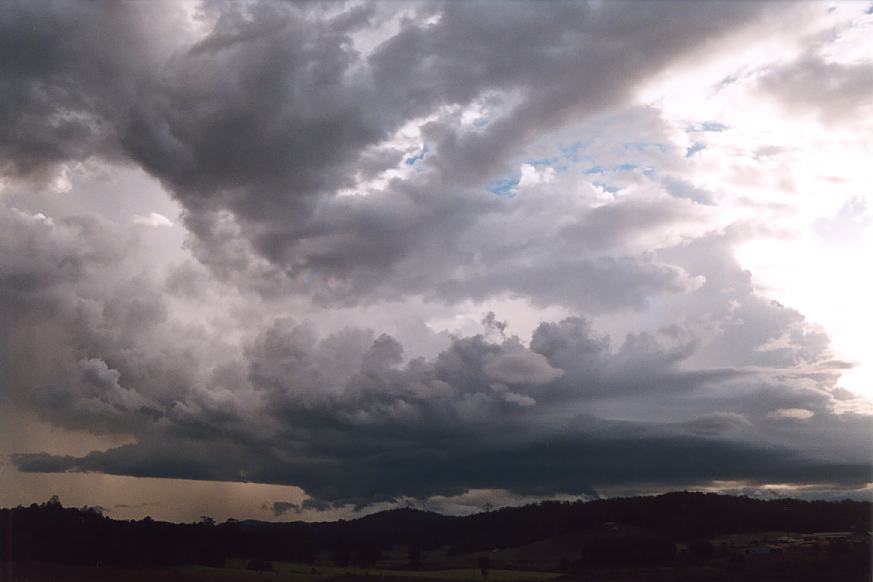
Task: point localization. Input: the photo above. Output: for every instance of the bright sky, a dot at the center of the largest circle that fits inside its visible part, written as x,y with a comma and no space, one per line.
815,260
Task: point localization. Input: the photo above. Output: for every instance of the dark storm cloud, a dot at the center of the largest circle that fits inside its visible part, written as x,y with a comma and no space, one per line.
69,72
717,423
254,128
308,504
295,407
566,463
283,507
258,124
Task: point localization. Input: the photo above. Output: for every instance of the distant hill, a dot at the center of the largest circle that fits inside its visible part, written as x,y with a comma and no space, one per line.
50,532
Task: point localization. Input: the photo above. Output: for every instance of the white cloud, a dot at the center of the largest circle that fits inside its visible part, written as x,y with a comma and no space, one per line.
522,368
791,413
519,399
533,176
153,219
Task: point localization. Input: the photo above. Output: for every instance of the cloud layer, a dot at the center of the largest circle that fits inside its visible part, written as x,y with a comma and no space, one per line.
341,166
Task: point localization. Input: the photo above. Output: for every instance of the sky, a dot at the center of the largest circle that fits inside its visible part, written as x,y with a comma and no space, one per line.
308,260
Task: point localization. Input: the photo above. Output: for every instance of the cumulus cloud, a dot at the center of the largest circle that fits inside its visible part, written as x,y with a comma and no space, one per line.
293,406
153,219
257,170
285,132
289,398
283,507
831,90
791,414
521,368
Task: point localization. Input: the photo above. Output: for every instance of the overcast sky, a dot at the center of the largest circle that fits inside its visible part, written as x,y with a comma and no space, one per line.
300,260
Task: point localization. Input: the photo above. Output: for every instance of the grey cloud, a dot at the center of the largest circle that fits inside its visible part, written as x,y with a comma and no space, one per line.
283,507
615,225
597,283
717,423
752,329
138,505
67,292
682,189
567,464
315,505
833,91
64,86
256,126
280,508
522,368
294,407
186,280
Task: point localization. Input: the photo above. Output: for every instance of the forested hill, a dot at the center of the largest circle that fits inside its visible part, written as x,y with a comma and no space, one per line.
50,532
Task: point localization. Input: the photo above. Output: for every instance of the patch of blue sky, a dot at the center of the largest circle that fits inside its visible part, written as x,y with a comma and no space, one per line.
626,167
709,126
594,170
683,189
504,186
643,146
411,160
869,10
694,149
606,187
563,160
480,122
550,162
571,152
557,163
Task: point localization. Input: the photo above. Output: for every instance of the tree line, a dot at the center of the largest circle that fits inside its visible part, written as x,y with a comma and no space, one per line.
53,533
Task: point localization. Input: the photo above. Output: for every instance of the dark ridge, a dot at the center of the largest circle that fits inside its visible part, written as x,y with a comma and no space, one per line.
52,533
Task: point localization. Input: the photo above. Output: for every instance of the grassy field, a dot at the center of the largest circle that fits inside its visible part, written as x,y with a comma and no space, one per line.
304,572
788,567
793,563
235,572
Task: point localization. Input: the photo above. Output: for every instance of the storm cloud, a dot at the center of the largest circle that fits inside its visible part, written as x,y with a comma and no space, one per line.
352,420
357,185
256,127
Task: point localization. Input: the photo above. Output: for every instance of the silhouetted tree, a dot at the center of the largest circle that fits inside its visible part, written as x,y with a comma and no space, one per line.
49,532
